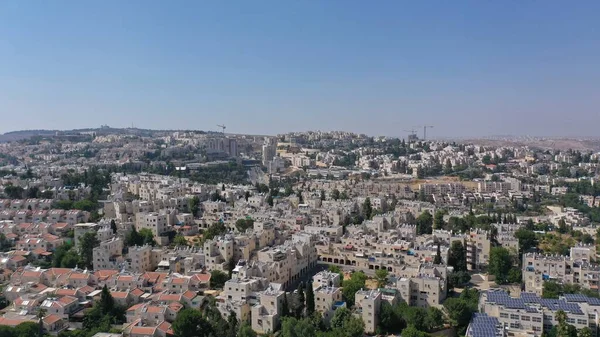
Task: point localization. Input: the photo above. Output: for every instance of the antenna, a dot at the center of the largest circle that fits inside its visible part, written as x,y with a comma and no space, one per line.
222,126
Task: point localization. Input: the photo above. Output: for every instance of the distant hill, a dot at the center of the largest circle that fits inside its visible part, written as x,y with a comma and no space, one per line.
24,134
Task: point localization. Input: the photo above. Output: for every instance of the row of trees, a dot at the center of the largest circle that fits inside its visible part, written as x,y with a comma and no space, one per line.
69,256
401,318
208,322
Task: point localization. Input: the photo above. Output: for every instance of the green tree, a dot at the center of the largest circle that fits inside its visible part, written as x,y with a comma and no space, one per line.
448,167
562,227
285,306
438,256
147,237
41,313
216,229
133,238
190,323
340,316
180,240
301,300
70,260
246,331
457,256
113,226
335,194
353,327
425,223
87,243
243,224
458,279
411,331
390,318
527,239
85,205
381,277
59,253
194,205
459,311
107,302
585,332
232,324
434,318
500,264
344,195
351,286
551,289
564,329
26,329
217,279
367,209
323,195
438,220
270,200
292,327
33,192
310,299
63,204
13,192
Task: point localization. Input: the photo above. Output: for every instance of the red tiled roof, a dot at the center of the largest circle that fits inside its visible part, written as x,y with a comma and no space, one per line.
142,330
204,278
51,319
137,292
119,294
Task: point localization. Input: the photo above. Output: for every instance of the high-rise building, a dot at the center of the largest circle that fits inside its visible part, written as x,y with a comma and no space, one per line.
269,151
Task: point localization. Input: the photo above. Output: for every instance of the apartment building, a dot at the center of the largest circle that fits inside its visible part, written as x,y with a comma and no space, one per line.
218,252
326,278
265,315
327,300
482,325
368,304
157,223
81,229
535,315
478,244
108,254
500,187
239,294
139,259
538,268
450,188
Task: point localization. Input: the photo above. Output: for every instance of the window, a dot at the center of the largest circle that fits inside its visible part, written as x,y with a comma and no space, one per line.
581,321
525,318
536,319
503,315
513,316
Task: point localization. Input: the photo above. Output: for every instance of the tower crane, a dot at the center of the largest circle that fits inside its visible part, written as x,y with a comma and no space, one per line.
425,127
222,126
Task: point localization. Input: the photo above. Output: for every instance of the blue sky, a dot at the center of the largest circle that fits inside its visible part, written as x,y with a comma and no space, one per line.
470,68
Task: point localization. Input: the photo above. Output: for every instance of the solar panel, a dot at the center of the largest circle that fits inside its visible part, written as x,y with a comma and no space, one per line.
483,326
593,301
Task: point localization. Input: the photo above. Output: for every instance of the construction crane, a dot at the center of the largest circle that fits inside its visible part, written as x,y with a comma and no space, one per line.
425,131
412,135
223,127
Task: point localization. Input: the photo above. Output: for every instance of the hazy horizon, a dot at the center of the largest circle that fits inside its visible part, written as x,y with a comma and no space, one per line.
470,69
